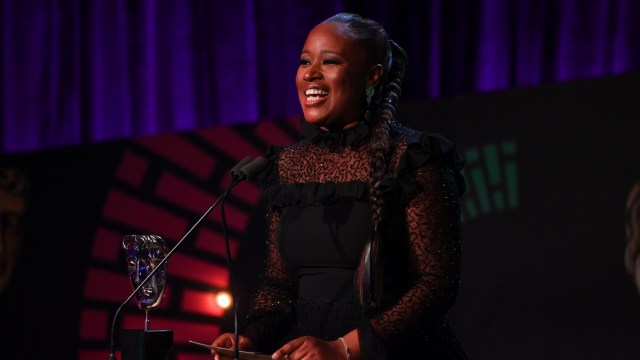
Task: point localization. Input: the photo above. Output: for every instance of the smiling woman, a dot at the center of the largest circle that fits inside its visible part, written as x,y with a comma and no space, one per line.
363,245
333,70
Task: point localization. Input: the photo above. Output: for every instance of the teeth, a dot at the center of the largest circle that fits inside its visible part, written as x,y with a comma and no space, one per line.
310,92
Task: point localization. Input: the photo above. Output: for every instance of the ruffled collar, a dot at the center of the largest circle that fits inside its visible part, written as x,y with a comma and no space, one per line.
330,139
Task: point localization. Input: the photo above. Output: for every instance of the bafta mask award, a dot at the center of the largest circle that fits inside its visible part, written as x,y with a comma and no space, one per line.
144,253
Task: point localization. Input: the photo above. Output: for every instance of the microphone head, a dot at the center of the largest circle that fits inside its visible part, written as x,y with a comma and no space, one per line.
253,168
235,171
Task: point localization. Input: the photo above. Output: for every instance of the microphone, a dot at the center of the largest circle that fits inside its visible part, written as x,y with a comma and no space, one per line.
246,169
253,168
235,171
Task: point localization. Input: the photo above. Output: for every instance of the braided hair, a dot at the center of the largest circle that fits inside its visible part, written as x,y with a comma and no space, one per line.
380,50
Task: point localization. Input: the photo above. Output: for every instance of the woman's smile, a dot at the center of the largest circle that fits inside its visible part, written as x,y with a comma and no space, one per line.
332,78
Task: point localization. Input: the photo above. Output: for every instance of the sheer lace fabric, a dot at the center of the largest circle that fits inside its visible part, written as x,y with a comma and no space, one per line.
421,235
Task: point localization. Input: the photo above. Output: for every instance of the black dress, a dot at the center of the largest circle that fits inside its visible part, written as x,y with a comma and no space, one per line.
317,191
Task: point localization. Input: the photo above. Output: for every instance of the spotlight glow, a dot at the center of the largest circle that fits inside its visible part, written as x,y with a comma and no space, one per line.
223,299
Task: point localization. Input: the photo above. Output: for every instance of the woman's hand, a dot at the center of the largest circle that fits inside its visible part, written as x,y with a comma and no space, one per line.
227,340
310,348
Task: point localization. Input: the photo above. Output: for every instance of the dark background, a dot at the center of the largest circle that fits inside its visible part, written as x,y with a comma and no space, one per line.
543,278
78,72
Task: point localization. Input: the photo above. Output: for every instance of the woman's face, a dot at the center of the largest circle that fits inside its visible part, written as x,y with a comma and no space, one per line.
332,77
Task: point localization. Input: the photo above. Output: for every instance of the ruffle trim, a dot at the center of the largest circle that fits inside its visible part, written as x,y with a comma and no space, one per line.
331,139
315,194
421,149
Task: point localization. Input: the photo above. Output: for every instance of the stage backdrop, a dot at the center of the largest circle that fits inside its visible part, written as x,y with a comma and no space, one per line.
548,170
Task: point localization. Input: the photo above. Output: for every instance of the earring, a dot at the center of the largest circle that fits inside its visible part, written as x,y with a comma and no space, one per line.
369,91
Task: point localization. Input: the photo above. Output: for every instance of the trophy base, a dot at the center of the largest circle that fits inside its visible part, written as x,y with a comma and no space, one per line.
146,344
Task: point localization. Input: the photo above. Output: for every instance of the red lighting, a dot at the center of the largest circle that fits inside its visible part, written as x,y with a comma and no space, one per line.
201,302
224,300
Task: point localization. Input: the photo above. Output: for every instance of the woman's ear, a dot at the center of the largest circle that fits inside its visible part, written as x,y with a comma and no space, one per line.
375,75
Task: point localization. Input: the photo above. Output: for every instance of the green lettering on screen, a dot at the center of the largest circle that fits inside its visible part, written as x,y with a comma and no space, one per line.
491,172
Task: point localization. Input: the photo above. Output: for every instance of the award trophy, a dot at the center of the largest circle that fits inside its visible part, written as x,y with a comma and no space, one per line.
144,253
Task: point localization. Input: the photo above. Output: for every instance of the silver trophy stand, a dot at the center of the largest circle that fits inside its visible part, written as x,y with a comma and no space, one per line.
146,344
144,253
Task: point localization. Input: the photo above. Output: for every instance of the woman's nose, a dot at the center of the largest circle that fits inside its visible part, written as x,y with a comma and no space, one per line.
312,73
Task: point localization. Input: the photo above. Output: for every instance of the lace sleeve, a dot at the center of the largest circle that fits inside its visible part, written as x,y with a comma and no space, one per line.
433,227
271,309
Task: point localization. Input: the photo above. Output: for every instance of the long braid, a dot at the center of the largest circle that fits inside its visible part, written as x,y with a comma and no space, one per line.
369,274
382,109
391,89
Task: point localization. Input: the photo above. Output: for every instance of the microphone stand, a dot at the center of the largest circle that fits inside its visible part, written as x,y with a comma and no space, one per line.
232,281
234,182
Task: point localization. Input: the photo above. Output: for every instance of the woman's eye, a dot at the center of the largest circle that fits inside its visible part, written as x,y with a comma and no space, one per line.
330,62
305,62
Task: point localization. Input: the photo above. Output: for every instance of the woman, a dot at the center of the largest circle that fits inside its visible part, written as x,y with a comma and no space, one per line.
363,246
